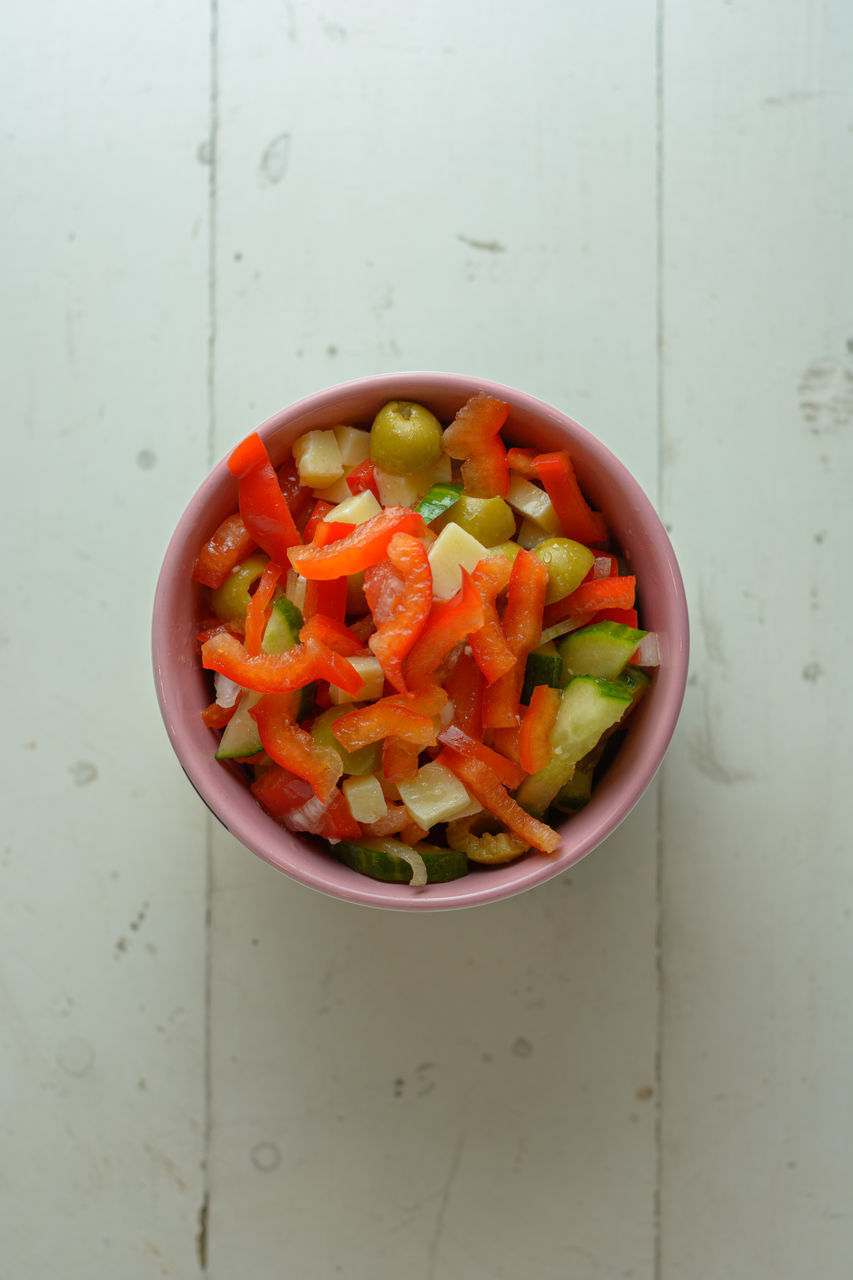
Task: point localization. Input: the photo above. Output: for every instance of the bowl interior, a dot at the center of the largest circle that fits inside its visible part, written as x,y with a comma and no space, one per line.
183,688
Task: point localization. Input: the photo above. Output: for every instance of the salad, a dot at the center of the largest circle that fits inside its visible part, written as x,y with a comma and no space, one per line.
423,644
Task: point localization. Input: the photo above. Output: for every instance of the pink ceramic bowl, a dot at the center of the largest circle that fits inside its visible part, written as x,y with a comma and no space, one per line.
183,688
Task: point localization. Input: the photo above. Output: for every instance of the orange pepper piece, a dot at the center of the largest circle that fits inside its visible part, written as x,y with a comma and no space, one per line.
396,634
534,739
367,544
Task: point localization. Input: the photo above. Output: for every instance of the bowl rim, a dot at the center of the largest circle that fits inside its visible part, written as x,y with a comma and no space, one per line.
251,825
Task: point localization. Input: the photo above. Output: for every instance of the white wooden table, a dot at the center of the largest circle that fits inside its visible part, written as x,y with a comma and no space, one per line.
642,213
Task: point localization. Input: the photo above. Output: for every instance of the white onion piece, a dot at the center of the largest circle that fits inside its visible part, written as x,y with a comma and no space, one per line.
227,692
648,651
446,714
563,628
601,567
306,817
416,862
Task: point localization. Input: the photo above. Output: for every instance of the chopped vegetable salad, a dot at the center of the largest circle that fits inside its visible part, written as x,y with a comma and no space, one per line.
423,644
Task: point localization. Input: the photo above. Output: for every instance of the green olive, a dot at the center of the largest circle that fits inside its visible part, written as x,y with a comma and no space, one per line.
231,600
405,438
489,520
567,563
364,760
508,549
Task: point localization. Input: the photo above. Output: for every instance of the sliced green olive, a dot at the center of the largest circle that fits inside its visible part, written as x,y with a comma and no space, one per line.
508,549
489,520
567,562
405,437
231,600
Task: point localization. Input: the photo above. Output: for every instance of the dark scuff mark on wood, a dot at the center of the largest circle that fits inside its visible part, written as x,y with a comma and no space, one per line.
201,1236
487,246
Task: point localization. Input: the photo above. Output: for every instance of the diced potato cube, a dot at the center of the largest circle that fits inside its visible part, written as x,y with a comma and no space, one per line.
364,797
531,501
318,458
373,676
337,491
295,589
357,508
453,551
396,491
473,809
434,795
353,444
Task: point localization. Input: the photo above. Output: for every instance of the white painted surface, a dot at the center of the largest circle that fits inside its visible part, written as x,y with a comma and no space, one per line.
641,1069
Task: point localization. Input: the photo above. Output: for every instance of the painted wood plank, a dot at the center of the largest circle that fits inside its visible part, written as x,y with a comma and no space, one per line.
758,888
472,1094
104,323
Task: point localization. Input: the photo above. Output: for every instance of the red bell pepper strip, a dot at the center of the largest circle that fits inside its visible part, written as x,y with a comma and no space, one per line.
335,634
337,823
328,597
521,460
506,742
262,504
363,477
257,613
382,586
394,637
296,494
293,748
399,759
230,544
366,545
213,627
522,625
628,617
485,473
382,720
449,623
511,775
488,645
393,820
557,474
486,786
216,717
464,688
274,673
590,597
473,437
534,738
280,791
319,511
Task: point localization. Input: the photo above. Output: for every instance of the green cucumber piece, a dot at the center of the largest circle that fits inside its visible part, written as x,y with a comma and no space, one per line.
578,790
240,736
365,760
437,500
635,681
381,860
283,627
588,708
544,666
600,650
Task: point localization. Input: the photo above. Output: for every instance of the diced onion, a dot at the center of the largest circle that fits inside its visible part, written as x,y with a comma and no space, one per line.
307,817
648,651
564,627
416,862
601,567
446,714
227,692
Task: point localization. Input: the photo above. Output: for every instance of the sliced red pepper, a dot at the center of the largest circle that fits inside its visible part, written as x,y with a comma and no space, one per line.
335,634
213,627
473,436
319,511
521,460
485,473
510,774
394,637
337,823
449,622
382,720
488,645
274,673
393,820
522,625
363,477
366,545
464,688
257,614
263,507
506,742
328,597
382,586
486,786
534,738
280,791
216,717
628,617
557,474
590,597
230,544
293,748
399,760
296,494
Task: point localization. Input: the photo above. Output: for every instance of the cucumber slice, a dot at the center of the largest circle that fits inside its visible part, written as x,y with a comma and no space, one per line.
589,707
240,736
365,760
380,859
600,650
578,790
544,666
282,630
439,498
